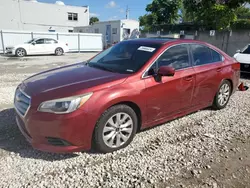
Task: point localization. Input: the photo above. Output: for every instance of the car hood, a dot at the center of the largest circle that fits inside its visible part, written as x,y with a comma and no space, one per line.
69,80
18,46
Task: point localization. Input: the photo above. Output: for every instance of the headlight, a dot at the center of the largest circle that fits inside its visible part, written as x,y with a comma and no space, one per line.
64,105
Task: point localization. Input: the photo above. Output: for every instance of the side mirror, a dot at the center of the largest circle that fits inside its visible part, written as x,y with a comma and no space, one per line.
238,51
33,43
164,71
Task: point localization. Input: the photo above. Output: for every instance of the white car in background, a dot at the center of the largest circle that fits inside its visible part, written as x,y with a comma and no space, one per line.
38,46
243,57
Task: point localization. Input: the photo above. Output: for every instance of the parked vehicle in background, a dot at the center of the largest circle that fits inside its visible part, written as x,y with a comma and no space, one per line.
38,46
133,85
243,57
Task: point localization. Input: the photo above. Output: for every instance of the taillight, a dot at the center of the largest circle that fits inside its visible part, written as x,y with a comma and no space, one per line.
236,65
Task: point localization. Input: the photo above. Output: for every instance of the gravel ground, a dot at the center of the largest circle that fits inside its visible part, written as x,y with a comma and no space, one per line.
204,149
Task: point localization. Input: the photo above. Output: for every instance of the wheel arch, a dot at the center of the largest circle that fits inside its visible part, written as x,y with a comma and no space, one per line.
136,109
20,47
231,82
132,105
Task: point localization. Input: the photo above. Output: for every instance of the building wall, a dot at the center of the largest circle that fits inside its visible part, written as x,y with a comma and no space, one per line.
229,42
117,25
133,25
25,15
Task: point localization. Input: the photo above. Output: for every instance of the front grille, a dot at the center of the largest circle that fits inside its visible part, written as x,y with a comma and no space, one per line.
21,102
57,142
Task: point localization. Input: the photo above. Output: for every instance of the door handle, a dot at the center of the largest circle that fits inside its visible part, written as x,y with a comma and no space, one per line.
219,69
188,78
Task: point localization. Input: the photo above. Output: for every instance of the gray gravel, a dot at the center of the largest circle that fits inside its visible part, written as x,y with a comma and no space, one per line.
154,158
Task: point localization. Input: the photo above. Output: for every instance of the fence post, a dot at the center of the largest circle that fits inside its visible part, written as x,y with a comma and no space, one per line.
228,38
2,41
57,36
79,43
32,35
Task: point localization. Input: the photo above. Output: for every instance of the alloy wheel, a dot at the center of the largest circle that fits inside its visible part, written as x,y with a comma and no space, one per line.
20,52
59,51
224,94
117,130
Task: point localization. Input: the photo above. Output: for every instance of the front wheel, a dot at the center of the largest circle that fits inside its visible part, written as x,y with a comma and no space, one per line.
20,52
223,95
115,129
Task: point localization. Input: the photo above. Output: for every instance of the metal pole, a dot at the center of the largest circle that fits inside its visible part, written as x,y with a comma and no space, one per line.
32,35
57,36
79,43
2,41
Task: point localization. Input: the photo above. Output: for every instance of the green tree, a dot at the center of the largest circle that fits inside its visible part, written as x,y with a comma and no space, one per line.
243,13
93,20
214,14
147,21
161,12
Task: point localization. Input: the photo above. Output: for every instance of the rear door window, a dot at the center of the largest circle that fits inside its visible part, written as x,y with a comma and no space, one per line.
50,41
201,55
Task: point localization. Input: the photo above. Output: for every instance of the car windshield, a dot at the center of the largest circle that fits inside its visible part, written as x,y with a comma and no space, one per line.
125,57
30,41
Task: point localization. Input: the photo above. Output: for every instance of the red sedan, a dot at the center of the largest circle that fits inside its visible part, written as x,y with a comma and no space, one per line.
133,85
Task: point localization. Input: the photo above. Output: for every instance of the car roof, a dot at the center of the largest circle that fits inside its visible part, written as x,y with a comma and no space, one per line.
153,40
37,38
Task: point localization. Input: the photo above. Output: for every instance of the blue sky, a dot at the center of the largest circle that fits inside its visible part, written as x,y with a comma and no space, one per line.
110,9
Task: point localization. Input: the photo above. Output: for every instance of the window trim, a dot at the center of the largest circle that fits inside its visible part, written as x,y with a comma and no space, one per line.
191,51
72,15
55,41
189,56
114,29
40,39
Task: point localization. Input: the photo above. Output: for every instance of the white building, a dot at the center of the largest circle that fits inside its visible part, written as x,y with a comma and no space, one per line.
112,31
36,16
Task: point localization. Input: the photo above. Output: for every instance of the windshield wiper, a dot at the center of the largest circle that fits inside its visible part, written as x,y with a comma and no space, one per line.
101,67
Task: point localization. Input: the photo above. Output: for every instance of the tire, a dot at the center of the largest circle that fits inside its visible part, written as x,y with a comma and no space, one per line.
106,135
20,52
59,51
223,95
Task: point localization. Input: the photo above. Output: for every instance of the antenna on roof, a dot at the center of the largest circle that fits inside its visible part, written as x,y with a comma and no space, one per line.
127,13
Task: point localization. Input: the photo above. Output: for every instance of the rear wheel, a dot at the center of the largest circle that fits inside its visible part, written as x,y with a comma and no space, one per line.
223,95
115,129
20,52
59,51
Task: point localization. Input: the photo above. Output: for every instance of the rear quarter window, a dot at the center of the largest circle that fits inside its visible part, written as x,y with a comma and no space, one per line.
217,57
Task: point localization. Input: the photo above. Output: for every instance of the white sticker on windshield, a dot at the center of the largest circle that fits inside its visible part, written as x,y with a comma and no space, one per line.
146,49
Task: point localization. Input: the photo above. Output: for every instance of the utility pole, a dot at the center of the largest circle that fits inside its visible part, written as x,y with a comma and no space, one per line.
127,13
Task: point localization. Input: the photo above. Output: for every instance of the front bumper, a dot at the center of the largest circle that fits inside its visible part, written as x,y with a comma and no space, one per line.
10,51
57,133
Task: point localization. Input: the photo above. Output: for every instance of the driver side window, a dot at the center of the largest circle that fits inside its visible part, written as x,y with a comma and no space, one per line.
176,57
40,41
